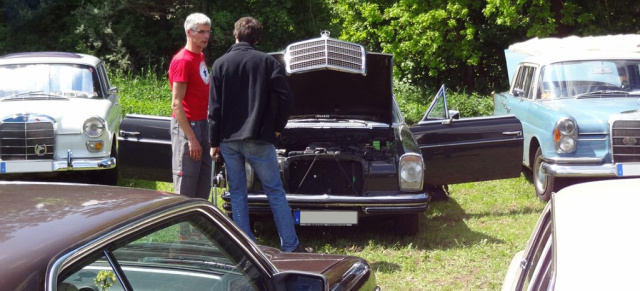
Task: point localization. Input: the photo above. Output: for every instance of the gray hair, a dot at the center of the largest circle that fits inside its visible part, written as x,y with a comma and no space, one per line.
194,19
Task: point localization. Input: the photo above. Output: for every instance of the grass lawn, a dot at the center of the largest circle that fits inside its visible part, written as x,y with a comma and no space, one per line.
465,243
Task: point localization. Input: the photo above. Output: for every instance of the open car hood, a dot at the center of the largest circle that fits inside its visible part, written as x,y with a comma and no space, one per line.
333,79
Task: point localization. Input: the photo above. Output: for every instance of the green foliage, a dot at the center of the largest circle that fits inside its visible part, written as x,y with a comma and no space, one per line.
456,42
144,93
105,279
415,100
470,105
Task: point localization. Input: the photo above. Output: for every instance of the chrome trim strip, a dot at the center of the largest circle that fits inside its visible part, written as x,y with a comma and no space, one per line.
84,164
144,140
593,160
469,143
343,198
592,139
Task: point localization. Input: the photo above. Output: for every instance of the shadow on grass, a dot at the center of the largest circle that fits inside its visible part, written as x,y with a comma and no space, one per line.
442,227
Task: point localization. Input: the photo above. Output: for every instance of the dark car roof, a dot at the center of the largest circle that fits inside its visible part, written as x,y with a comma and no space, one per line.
42,220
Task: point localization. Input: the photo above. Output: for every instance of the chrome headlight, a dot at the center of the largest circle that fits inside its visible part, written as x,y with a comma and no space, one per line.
94,127
565,136
411,172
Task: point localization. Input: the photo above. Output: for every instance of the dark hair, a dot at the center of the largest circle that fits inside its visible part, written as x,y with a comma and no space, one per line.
247,29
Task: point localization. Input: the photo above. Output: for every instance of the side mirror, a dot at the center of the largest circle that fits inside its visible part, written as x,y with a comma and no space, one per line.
454,114
297,280
518,92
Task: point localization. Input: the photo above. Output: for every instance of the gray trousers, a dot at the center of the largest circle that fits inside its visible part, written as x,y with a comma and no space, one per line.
191,178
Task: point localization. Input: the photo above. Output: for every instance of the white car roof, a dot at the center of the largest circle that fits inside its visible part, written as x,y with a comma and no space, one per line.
597,235
607,43
543,51
49,58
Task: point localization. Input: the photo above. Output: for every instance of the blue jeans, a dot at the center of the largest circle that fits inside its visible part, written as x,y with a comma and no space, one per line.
262,158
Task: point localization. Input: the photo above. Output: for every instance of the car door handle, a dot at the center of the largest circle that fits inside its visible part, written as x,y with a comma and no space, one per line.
516,133
129,133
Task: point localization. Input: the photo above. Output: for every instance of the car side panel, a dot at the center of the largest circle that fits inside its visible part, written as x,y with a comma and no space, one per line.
145,148
470,149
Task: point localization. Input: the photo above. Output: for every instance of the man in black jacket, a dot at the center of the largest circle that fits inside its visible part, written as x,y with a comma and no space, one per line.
243,125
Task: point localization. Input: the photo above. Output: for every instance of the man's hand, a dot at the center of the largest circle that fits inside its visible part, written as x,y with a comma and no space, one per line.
215,154
195,150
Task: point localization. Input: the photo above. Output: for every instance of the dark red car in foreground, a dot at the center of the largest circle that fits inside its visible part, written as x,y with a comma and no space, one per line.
89,237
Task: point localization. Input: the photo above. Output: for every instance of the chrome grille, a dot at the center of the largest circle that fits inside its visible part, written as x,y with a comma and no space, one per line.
26,140
325,53
625,138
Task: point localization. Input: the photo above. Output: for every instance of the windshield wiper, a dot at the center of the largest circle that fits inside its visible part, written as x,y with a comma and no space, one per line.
33,95
603,92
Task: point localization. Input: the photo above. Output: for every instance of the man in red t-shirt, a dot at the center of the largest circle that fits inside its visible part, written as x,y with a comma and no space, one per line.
189,80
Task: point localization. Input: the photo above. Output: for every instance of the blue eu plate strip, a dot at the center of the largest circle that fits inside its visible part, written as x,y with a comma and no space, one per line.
619,170
3,167
296,218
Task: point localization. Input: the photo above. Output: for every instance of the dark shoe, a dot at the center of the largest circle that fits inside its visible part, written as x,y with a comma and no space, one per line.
301,249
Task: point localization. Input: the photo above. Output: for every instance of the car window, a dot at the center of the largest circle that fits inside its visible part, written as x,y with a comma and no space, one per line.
438,108
62,80
522,86
542,273
580,78
539,251
186,254
102,71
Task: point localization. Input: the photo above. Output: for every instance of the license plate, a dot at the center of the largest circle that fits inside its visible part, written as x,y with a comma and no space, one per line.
25,166
326,217
627,170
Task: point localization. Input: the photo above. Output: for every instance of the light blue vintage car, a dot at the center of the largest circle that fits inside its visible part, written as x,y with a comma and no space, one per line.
578,100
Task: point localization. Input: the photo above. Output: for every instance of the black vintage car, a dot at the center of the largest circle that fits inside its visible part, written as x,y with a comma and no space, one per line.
346,152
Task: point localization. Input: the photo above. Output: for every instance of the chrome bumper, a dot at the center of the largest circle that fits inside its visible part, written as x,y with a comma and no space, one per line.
388,204
39,166
583,169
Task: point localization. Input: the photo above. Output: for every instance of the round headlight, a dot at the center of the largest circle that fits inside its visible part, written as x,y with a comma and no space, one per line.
566,127
567,144
94,127
411,172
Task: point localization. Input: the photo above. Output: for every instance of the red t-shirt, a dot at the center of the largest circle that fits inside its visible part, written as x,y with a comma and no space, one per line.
190,68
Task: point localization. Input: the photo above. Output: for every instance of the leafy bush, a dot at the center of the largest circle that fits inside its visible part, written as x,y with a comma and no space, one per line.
414,102
144,93
148,93
470,105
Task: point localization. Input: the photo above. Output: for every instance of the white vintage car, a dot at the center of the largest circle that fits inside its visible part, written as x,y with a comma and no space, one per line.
585,239
58,112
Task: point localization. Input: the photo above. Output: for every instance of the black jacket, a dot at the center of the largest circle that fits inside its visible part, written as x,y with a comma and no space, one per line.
249,97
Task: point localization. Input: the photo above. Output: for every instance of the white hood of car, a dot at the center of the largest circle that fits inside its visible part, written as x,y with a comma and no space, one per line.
59,109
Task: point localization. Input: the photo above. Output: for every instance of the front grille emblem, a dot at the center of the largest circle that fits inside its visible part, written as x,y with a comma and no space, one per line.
629,141
40,150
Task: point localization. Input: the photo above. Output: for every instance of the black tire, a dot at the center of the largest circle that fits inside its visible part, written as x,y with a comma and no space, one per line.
406,224
438,193
110,176
543,183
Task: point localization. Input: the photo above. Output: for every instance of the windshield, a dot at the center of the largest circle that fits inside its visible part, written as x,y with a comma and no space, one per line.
38,80
589,79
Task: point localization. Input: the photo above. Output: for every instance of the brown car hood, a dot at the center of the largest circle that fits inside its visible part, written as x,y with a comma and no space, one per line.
352,273
327,93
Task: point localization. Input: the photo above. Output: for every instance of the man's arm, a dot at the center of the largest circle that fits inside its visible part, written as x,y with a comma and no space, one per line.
177,95
284,98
